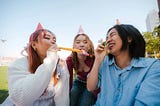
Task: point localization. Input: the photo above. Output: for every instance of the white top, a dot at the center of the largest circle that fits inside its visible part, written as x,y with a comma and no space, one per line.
26,89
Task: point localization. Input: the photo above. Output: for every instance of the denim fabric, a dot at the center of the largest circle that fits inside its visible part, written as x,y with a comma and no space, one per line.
136,85
80,96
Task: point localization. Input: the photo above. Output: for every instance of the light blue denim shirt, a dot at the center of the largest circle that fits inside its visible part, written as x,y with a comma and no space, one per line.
138,84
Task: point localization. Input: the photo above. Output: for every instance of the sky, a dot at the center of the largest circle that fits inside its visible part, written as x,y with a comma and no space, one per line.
19,18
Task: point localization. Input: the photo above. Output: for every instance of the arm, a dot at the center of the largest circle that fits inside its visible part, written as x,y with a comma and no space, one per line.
149,92
25,88
92,79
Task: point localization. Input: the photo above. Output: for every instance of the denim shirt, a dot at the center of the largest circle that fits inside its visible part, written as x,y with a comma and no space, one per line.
138,84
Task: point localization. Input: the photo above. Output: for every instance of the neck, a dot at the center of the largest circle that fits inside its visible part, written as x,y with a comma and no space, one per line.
123,60
81,57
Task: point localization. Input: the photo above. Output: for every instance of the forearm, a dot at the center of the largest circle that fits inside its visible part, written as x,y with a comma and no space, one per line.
24,87
92,79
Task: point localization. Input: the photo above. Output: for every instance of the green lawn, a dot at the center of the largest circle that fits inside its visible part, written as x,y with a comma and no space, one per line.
3,83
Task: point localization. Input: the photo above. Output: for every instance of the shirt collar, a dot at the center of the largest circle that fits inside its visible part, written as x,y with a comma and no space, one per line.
134,62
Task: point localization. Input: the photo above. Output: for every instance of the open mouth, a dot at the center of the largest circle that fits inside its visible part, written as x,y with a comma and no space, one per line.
110,45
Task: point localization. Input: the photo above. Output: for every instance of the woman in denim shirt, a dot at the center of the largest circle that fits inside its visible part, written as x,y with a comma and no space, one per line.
125,76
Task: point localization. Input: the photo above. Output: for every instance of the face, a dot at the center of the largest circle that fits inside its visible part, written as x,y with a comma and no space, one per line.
45,40
81,43
114,42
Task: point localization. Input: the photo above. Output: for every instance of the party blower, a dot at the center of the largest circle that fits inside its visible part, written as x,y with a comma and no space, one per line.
73,50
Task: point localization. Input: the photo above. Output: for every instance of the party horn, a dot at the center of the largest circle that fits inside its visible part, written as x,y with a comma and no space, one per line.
74,50
70,49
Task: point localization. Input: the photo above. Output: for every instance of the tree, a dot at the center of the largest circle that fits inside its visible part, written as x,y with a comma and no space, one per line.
152,41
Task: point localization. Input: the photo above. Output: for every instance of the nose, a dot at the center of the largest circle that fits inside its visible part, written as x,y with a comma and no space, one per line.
53,41
108,39
81,44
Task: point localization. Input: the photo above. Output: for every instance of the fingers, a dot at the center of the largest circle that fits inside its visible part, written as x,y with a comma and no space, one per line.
53,48
100,47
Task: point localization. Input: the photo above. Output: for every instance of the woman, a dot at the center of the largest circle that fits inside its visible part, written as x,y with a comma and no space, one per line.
81,64
125,76
41,78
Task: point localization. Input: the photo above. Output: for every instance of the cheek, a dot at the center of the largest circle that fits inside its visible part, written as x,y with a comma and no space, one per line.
44,47
75,46
119,44
87,46
46,44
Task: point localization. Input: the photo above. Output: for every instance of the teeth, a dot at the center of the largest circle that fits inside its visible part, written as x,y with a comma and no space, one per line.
109,45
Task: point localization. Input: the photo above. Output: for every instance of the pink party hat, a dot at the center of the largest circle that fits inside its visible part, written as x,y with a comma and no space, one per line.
39,26
80,30
117,22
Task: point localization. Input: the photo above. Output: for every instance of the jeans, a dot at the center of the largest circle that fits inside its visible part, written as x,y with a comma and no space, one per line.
80,96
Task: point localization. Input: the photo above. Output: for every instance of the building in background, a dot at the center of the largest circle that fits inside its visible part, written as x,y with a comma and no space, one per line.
5,61
152,20
158,1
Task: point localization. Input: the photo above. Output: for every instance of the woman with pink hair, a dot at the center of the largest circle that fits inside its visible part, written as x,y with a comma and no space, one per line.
41,78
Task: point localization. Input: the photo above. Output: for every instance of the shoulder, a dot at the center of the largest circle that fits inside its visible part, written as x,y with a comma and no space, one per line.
20,63
150,64
106,60
147,61
69,60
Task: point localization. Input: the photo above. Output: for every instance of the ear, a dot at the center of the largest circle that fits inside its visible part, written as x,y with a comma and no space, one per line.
129,39
34,45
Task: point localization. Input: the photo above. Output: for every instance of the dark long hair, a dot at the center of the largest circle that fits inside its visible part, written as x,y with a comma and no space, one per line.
137,45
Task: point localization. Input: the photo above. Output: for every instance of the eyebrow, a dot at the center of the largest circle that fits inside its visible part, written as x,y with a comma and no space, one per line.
112,33
49,35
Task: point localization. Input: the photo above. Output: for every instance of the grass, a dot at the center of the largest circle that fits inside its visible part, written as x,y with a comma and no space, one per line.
3,83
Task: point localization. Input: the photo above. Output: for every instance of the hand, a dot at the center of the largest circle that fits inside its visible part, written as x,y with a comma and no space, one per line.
52,52
53,48
100,52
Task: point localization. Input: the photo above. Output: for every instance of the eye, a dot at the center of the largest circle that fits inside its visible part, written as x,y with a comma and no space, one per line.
47,37
113,34
54,39
77,42
85,42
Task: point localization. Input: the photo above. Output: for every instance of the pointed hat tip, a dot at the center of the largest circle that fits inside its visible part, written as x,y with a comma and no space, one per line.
39,26
80,31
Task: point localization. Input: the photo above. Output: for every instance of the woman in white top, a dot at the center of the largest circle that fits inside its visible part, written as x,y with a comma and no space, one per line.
41,78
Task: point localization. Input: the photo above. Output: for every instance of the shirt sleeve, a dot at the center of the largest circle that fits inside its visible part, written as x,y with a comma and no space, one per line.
62,87
24,87
149,92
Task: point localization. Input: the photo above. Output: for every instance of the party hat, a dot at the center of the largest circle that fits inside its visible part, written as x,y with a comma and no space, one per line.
39,26
117,22
80,30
